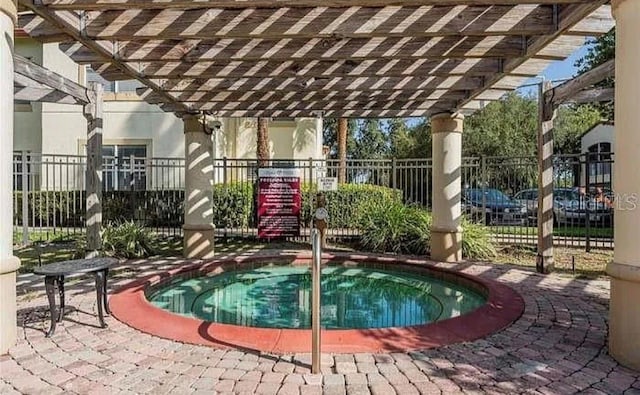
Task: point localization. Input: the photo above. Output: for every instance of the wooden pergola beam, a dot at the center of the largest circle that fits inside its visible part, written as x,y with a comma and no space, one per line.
70,23
568,90
333,113
325,53
569,16
46,80
407,84
194,4
282,50
275,96
308,69
41,95
310,107
317,22
594,96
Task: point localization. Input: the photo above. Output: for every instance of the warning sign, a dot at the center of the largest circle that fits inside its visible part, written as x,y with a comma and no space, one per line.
279,203
327,184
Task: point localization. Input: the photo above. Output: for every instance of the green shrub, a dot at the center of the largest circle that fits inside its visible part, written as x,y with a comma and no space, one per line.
62,208
233,205
395,228
404,229
127,240
477,242
348,204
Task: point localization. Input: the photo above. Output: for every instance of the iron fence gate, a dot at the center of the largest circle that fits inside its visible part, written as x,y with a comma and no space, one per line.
501,192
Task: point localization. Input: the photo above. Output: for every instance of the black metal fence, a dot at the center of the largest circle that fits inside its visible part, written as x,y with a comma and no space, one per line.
501,192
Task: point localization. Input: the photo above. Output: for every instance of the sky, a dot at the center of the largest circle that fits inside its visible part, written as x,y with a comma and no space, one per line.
558,70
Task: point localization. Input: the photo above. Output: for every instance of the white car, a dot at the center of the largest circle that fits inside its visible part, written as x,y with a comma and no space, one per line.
569,206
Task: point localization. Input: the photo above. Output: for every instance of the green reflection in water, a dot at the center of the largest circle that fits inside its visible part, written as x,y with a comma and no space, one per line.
279,297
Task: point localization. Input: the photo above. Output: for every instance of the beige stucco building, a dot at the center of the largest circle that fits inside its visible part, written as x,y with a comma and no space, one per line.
135,127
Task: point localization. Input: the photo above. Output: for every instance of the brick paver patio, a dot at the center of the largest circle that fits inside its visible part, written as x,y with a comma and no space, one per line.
558,346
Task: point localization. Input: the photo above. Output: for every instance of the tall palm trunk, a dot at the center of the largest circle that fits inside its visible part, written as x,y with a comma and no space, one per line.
343,126
262,150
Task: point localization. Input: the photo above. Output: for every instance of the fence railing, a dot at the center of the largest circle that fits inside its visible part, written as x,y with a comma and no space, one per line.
501,192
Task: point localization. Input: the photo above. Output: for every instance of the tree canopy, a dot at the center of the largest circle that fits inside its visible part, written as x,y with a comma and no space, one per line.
506,127
601,50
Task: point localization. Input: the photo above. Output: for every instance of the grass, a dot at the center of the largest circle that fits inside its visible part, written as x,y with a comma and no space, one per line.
587,264
56,251
31,255
43,236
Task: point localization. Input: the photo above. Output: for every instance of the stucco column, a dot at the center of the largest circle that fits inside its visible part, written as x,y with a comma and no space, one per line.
446,233
624,314
198,206
8,263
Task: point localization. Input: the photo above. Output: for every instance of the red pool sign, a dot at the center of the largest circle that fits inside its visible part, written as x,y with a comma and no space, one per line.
279,203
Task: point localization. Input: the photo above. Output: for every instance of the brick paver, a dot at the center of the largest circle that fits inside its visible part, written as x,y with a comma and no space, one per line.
557,346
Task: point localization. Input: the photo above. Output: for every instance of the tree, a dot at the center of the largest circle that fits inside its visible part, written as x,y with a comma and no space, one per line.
262,149
505,127
601,50
330,136
371,141
400,141
343,131
570,123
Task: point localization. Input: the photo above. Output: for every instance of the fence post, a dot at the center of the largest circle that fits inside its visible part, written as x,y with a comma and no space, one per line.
587,219
226,188
393,173
132,186
310,193
484,181
25,200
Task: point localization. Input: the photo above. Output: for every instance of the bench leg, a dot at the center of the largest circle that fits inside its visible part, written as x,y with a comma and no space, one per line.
104,292
61,295
49,286
100,282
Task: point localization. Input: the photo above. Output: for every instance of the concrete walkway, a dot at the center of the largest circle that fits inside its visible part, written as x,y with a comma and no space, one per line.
557,347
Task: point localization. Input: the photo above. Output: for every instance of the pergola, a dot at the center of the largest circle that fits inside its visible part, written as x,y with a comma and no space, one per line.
34,83
345,58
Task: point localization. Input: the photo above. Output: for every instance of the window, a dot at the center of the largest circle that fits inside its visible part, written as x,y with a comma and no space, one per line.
118,174
113,86
92,76
19,169
600,159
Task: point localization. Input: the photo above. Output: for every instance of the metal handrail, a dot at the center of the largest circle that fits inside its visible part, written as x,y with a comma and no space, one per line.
316,252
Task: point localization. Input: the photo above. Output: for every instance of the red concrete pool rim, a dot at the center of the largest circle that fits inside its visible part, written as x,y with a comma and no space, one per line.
130,305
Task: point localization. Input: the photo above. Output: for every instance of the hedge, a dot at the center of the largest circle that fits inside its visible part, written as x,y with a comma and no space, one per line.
233,205
64,208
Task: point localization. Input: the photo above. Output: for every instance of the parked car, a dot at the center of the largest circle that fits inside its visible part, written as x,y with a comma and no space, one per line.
569,206
493,207
529,199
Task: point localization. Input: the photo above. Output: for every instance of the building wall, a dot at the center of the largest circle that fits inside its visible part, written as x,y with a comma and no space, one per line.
600,173
61,129
600,134
27,117
288,139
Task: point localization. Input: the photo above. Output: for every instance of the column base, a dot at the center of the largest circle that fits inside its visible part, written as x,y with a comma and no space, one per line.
8,322
446,245
198,241
624,314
